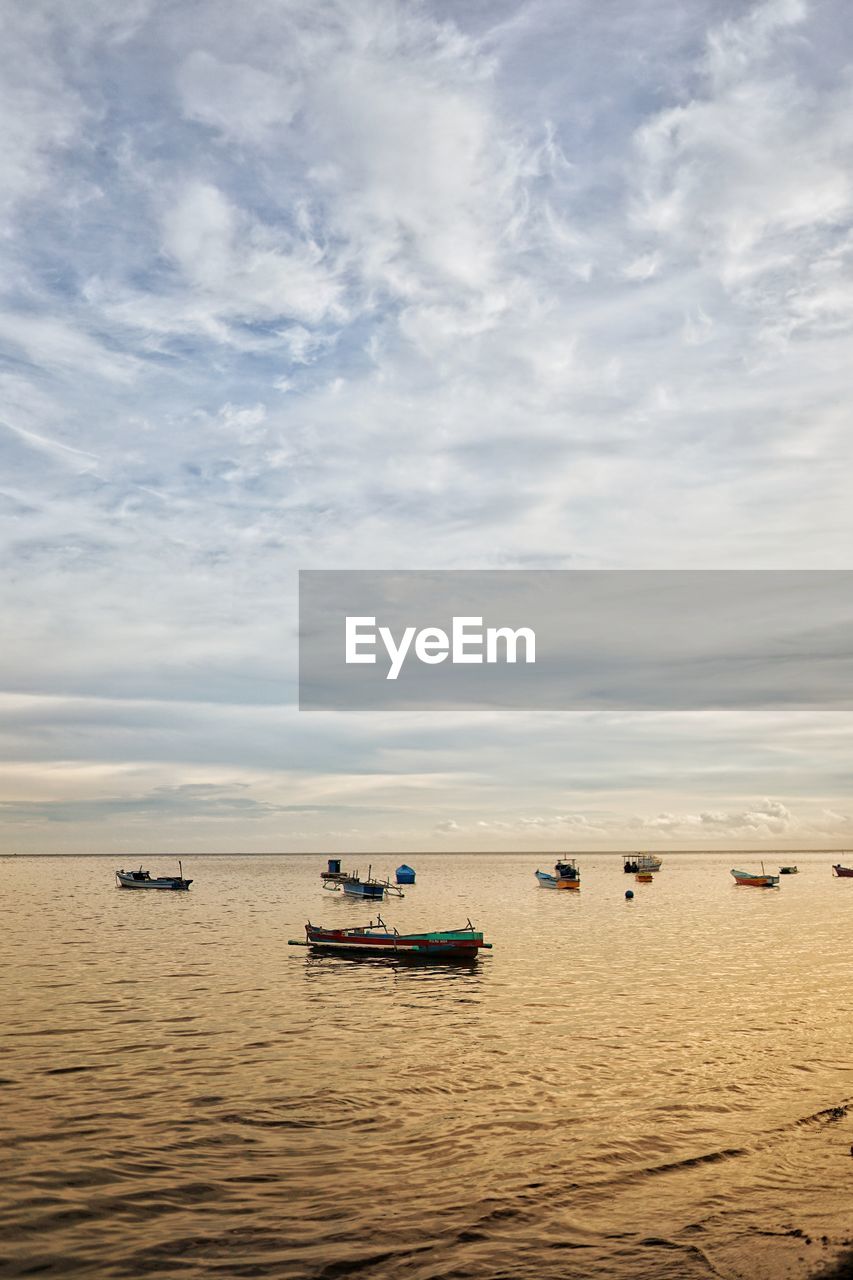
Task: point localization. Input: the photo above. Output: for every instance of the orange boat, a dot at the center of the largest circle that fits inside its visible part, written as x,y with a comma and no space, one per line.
757,881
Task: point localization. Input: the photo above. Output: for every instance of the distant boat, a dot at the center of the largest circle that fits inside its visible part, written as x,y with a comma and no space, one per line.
144,880
842,871
634,862
405,874
372,889
356,886
566,875
381,939
762,881
644,877
788,871
333,872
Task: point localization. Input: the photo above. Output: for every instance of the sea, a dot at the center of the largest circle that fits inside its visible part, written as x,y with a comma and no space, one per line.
620,1089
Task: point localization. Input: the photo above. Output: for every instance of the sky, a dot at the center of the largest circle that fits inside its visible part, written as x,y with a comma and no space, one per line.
356,284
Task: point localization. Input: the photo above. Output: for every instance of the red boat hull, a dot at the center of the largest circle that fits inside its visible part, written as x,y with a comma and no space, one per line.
373,940
338,940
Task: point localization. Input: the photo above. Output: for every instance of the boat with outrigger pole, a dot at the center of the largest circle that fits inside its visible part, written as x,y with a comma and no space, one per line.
380,939
354,886
144,880
335,874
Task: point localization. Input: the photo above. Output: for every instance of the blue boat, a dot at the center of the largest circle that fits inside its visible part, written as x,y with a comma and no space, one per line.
333,874
371,889
405,874
368,887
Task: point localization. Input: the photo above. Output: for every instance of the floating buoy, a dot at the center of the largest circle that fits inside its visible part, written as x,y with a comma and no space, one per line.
629,893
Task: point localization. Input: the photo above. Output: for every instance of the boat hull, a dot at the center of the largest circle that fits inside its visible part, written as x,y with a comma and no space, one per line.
755,881
363,889
160,882
450,945
547,881
843,872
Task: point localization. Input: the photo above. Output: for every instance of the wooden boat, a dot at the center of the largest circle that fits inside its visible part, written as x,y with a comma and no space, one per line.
333,874
788,871
566,875
762,881
634,862
371,889
644,877
144,880
381,939
838,870
405,874
367,887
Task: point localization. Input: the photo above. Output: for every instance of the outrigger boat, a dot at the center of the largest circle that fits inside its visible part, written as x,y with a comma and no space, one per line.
355,887
371,889
838,870
762,881
567,875
144,880
633,863
334,874
382,939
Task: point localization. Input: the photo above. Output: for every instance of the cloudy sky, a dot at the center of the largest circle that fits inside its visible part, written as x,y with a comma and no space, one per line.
361,284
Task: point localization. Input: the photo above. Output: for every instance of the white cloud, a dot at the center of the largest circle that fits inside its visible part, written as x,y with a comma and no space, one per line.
748,178
244,103
244,269
764,818
360,284
42,113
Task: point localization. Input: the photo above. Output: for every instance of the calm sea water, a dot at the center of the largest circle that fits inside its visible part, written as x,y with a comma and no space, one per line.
618,1090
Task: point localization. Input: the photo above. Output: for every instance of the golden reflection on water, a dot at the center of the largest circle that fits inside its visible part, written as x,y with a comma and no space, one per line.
654,1088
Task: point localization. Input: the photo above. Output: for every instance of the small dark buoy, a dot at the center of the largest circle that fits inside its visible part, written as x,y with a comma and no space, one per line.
629,893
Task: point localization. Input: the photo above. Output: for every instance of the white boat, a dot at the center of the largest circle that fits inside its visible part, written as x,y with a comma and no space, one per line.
144,880
566,875
639,862
762,881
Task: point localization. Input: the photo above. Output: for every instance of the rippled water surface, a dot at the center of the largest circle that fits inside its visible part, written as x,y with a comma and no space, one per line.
648,1089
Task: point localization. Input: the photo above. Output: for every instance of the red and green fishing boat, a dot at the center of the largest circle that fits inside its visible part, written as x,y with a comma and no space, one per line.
382,939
